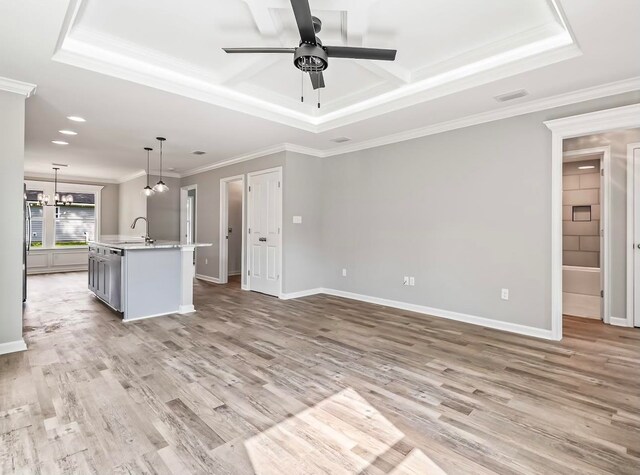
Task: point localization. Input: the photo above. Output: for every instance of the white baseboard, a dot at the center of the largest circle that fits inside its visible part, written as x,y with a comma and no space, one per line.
134,319
207,278
235,272
620,322
186,309
434,312
55,270
302,293
12,347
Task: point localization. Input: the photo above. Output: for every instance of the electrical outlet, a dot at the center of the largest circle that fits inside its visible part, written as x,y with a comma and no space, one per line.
405,281
504,295
344,272
412,281
206,261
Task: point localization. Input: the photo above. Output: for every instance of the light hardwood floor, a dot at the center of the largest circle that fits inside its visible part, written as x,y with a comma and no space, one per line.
252,384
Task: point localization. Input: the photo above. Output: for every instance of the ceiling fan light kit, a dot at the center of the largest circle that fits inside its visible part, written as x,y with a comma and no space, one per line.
311,56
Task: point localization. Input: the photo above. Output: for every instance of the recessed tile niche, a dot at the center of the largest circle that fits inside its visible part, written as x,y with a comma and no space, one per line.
581,213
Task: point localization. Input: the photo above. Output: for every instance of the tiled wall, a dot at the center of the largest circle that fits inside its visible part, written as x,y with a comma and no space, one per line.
581,239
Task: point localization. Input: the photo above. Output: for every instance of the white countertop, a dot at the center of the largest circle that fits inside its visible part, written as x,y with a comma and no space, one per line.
125,243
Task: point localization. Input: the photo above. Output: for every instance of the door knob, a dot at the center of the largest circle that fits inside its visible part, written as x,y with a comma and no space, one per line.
638,246
263,239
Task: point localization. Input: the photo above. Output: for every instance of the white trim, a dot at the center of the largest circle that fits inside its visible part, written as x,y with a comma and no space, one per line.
248,240
12,347
631,213
605,216
184,309
17,87
596,92
135,319
41,176
620,322
184,193
585,124
434,312
223,259
243,158
207,278
610,89
105,54
301,293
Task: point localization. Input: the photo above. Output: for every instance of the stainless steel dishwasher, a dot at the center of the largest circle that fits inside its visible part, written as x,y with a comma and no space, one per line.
114,275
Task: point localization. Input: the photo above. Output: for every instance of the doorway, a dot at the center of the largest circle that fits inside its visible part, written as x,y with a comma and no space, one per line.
264,247
188,217
585,233
232,229
633,233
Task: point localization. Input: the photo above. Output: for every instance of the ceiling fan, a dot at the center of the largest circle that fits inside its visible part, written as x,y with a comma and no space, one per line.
311,56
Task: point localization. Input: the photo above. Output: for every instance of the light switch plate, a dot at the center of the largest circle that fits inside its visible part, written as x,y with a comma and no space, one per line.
344,272
297,220
412,281
504,294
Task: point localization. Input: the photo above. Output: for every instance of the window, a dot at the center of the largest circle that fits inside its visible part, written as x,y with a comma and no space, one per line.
36,217
76,223
56,227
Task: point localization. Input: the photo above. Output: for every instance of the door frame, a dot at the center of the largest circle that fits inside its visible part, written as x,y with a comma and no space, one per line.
631,212
223,260
568,127
248,240
605,217
184,191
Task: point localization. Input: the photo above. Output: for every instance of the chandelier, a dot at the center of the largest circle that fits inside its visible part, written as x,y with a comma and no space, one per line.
58,200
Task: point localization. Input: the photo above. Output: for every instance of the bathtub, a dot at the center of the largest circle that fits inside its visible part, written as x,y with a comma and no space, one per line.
581,291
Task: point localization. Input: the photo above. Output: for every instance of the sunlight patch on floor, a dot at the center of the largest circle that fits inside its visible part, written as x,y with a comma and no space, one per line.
343,434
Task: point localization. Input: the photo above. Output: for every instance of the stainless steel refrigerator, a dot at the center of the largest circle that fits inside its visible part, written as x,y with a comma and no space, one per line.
26,244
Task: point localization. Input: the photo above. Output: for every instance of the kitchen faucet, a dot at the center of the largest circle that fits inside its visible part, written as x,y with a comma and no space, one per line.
147,239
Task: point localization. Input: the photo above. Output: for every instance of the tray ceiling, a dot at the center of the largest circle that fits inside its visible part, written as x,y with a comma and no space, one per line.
444,46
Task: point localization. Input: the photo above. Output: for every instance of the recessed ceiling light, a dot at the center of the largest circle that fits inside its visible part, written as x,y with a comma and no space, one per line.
76,118
68,132
60,142
586,167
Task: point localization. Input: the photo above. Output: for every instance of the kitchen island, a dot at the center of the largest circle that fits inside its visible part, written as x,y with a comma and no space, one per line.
143,280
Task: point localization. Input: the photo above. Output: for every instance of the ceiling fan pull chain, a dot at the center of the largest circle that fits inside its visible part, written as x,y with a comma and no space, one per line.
318,98
301,86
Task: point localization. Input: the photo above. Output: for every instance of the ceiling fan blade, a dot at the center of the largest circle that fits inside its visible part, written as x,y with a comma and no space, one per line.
360,53
302,11
259,50
317,79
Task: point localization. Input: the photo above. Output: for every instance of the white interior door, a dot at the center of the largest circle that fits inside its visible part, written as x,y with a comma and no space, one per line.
265,239
636,237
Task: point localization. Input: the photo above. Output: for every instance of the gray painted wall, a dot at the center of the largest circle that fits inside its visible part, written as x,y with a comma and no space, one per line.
618,142
11,191
208,207
303,247
163,211
132,204
466,212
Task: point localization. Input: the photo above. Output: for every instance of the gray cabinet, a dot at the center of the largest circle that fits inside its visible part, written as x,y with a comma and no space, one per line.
105,271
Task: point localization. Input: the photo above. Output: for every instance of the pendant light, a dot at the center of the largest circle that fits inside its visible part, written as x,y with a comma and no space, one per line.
64,200
160,186
147,190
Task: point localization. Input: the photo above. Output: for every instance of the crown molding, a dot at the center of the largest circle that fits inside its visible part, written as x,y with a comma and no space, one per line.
240,158
597,92
82,180
85,48
17,87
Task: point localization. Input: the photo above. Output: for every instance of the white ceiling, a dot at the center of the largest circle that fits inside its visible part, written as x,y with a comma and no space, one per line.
140,69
